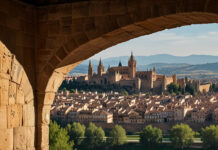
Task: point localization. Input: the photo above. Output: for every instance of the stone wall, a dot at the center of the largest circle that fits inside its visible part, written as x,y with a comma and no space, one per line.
17,125
17,32
169,79
204,88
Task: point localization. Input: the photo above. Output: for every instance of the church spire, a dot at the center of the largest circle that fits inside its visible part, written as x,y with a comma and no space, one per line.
100,68
90,64
120,64
132,57
100,62
90,71
108,67
132,66
154,69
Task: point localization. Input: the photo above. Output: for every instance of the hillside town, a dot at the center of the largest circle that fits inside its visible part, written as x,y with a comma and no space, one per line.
138,81
134,109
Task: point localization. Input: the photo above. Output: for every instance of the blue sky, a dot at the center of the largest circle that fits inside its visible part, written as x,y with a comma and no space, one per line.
182,41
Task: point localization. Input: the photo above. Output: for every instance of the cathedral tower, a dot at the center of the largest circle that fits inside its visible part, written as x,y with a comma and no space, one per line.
100,68
120,64
174,78
132,66
90,71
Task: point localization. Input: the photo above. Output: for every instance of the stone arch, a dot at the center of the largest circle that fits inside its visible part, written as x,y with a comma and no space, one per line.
44,101
68,56
69,30
56,77
17,112
71,33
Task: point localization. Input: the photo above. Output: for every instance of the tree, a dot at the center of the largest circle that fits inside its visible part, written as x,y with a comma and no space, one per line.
81,91
58,138
173,88
181,136
117,136
94,136
214,87
210,137
72,91
190,89
76,132
124,93
151,137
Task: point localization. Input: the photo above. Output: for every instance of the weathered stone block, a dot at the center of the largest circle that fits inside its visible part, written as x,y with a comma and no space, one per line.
117,7
49,98
14,116
12,92
65,10
6,139
20,95
5,63
17,71
71,45
3,49
80,11
43,29
27,89
45,135
135,30
4,85
24,137
3,116
46,114
45,147
54,82
54,27
28,115
31,148
5,76
98,9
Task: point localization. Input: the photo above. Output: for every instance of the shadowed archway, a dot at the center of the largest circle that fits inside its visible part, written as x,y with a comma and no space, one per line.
17,127
71,33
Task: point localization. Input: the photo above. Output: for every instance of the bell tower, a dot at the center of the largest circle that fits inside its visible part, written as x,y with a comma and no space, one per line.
132,66
100,68
90,71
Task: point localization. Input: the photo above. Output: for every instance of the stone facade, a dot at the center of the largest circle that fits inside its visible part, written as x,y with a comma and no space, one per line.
17,125
129,76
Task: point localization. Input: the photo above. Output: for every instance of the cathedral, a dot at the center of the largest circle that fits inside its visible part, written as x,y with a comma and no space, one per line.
129,76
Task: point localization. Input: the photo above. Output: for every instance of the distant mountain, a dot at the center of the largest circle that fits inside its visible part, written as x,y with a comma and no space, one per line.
160,58
192,71
158,66
195,66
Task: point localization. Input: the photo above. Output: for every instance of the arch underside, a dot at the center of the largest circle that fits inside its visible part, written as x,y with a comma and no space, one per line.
135,30
92,47
71,33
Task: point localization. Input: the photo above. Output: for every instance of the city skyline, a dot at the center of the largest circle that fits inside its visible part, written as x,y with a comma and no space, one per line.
182,41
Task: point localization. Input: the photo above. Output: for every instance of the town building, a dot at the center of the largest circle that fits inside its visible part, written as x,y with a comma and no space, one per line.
112,107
